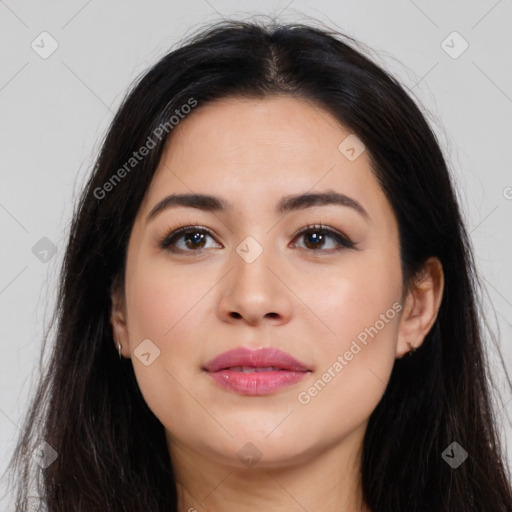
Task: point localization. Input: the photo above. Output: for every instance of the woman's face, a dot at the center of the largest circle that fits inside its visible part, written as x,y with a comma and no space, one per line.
252,280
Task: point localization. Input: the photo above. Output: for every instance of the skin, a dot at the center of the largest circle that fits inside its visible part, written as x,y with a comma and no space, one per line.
309,302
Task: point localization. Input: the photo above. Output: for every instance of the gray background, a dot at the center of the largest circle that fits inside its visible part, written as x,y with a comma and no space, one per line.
55,110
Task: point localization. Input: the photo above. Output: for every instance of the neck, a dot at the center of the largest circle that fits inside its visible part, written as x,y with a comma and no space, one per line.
329,480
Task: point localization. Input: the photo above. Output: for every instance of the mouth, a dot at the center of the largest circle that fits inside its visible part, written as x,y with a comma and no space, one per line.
252,369
255,372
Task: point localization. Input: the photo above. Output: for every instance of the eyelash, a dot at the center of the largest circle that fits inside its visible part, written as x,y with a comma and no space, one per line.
343,242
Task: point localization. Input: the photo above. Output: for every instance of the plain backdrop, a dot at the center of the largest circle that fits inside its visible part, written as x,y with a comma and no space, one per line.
455,57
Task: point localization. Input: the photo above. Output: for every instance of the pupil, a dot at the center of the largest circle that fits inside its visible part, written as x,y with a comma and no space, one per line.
196,237
316,238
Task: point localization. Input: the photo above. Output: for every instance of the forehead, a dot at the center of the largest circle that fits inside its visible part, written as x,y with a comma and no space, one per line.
254,151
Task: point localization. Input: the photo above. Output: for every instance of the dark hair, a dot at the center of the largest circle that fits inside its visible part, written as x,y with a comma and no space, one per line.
112,452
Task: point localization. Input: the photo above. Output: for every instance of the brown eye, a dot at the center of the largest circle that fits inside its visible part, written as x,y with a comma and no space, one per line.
193,237
316,239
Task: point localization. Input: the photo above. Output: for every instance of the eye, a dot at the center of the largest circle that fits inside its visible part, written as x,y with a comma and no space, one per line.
315,239
194,238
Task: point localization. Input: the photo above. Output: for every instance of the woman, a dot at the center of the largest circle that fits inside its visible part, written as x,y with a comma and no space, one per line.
271,242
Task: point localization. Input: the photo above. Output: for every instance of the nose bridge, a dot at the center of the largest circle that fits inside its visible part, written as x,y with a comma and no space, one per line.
251,259
253,291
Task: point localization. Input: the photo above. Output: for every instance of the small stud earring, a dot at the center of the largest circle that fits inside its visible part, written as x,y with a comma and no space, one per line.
119,349
412,348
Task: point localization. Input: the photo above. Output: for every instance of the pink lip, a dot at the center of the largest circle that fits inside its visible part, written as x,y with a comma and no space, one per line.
224,370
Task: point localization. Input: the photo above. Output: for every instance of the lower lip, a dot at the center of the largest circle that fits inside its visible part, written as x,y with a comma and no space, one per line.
256,383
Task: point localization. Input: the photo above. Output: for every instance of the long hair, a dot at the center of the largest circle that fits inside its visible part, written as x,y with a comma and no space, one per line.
112,453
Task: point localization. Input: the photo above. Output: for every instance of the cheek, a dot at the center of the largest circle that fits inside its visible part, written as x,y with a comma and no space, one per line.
351,375
161,308
161,301
348,298
355,354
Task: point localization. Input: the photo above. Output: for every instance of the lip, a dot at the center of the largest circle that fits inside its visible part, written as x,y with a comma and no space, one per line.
274,370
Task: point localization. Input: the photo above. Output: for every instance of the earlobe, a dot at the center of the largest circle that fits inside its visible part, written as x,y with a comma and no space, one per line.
118,320
421,308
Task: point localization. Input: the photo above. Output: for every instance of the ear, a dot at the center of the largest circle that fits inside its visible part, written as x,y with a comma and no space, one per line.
118,316
421,306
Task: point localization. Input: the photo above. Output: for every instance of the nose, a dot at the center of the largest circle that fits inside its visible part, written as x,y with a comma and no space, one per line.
255,292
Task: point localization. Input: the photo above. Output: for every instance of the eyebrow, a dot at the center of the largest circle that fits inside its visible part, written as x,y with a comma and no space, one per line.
287,204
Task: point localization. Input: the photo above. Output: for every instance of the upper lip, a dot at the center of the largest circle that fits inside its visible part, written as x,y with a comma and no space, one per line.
259,358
